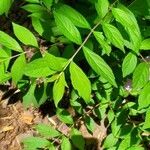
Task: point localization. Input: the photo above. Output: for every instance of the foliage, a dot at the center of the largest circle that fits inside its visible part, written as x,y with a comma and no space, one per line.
97,54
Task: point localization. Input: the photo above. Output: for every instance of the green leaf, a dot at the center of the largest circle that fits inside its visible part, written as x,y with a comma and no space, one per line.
102,7
144,97
129,64
29,99
47,131
24,35
5,55
55,63
75,17
9,42
59,89
48,3
110,141
64,116
136,147
90,123
125,143
5,6
65,144
140,76
67,28
33,8
3,75
147,118
101,39
32,1
110,116
38,68
99,66
114,36
35,143
80,81
128,21
145,45
40,93
17,69
123,17
51,147
77,139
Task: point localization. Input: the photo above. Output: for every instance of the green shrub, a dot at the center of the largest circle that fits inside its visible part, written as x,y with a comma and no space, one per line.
96,54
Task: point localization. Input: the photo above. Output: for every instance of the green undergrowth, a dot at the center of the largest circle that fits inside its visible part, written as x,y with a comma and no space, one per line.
94,59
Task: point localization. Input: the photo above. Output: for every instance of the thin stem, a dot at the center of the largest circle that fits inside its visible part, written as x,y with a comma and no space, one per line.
143,58
13,56
86,39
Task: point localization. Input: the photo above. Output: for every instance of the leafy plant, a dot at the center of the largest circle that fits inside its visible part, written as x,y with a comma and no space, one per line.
97,52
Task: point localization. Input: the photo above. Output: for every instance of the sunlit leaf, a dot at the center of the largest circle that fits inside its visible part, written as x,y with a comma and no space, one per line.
67,28
35,143
46,130
114,36
144,97
145,45
129,64
106,48
99,66
64,116
80,81
17,69
76,18
9,42
24,35
38,68
102,7
140,76
65,144
147,118
59,89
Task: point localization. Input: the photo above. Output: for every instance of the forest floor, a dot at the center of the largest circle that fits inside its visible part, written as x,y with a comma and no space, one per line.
17,123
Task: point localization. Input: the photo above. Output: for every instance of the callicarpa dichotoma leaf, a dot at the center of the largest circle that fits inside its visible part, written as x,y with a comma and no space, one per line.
99,66
102,7
55,63
59,89
129,64
65,144
29,99
33,8
76,18
140,76
147,120
24,35
144,97
17,69
64,116
80,82
145,45
106,48
9,42
47,131
67,28
34,143
5,55
114,36
76,138
48,3
5,6
128,21
38,68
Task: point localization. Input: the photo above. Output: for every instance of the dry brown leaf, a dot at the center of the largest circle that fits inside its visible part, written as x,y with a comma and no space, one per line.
27,117
6,128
